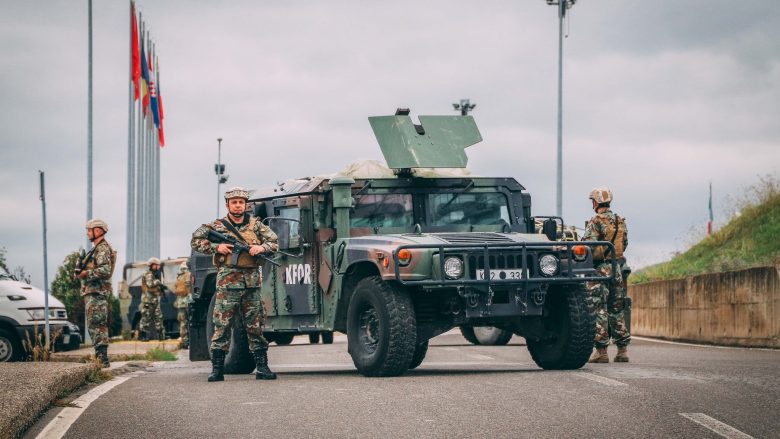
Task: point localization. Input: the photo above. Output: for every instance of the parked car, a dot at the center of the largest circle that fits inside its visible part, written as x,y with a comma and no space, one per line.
22,316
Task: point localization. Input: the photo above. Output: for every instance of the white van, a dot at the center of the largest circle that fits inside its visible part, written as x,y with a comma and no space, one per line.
22,315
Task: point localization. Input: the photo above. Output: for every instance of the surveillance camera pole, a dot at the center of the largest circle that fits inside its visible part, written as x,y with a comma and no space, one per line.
464,107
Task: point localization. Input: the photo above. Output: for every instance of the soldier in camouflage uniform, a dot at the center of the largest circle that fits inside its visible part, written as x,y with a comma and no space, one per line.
606,298
151,314
238,285
95,276
183,300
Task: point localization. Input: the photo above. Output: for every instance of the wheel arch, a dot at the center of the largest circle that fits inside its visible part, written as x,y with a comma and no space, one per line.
354,274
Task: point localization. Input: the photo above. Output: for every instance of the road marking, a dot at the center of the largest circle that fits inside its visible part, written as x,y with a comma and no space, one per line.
656,340
480,357
716,426
65,418
254,403
600,379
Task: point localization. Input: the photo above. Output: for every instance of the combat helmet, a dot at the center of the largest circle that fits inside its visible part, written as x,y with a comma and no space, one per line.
97,223
153,261
601,195
183,267
237,192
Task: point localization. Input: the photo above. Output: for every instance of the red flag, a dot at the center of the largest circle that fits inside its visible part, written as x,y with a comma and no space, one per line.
136,55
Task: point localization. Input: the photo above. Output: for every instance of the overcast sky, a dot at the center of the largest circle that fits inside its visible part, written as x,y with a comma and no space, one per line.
660,98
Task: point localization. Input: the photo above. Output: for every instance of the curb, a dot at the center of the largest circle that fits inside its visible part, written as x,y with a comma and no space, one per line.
29,388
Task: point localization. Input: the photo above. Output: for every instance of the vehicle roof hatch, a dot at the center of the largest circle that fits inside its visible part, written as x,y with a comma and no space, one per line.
438,142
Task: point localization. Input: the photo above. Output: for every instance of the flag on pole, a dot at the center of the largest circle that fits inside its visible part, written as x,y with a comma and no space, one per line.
160,131
135,55
153,94
709,223
144,79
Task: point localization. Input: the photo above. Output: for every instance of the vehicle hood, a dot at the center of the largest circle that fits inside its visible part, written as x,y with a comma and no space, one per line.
33,297
449,238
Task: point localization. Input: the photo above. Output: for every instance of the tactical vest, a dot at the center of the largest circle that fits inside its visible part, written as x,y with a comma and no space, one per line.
183,284
245,260
150,292
615,233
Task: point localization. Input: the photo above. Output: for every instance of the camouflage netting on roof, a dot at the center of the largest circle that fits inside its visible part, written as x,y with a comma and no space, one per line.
363,169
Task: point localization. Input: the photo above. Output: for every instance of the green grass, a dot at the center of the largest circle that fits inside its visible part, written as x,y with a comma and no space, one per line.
748,240
157,354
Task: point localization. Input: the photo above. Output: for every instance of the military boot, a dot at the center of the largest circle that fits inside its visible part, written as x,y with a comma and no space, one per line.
600,356
622,355
217,365
143,337
261,360
101,354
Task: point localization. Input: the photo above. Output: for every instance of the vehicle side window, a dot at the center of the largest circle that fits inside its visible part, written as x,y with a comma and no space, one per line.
294,213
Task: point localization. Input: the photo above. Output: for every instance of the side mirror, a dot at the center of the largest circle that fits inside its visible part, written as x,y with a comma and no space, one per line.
550,229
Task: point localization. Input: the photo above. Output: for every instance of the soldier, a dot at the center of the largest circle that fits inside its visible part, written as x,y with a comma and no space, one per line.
95,273
606,298
183,299
151,287
238,285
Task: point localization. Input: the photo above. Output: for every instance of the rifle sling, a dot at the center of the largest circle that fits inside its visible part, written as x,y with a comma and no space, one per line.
225,222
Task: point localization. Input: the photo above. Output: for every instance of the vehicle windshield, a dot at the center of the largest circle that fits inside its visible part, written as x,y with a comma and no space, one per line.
133,276
473,208
383,211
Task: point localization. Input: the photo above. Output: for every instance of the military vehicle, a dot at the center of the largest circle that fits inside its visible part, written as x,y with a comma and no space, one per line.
130,295
396,258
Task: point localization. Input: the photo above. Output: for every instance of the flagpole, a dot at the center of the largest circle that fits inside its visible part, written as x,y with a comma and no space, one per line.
130,237
141,198
89,115
157,204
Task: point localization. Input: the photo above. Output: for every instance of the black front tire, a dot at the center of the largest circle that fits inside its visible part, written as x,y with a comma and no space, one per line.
568,317
381,328
419,355
238,360
10,348
492,336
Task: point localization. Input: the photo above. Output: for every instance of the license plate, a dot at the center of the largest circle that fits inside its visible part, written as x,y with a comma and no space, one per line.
66,339
510,274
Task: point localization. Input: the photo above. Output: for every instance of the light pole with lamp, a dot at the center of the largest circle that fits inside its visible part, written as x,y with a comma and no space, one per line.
562,5
219,169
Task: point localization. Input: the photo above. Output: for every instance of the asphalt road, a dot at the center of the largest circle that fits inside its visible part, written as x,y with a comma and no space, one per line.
460,390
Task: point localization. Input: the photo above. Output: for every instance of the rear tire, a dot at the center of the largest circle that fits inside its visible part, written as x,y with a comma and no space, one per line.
381,328
567,315
283,338
314,337
468,333
327,337
492,336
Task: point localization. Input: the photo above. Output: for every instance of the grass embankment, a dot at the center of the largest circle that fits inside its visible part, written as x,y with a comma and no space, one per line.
750,239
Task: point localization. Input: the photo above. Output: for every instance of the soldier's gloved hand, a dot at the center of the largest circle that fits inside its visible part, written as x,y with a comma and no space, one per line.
256,250
225,249
83,274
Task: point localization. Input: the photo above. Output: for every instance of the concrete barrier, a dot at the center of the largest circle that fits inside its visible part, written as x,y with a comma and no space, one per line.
735,308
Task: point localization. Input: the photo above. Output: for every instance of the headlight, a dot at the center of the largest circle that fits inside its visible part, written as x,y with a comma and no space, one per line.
36,314
548,264
453,267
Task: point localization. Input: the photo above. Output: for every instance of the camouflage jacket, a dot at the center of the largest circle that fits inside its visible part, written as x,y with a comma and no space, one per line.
99,270
263,235
183,290
602,227
151,287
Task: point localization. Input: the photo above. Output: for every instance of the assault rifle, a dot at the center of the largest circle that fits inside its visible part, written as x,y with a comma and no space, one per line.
82,261
238,247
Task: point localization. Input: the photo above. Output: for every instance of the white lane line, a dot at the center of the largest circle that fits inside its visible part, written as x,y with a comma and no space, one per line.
480,357
657,340
600,379
65,418
716,426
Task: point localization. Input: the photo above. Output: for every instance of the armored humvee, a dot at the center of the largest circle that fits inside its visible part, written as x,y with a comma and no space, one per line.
394,259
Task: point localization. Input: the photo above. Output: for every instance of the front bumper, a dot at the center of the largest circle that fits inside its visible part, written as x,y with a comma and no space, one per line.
66,336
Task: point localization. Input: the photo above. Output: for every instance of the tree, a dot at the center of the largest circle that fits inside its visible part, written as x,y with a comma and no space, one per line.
17,273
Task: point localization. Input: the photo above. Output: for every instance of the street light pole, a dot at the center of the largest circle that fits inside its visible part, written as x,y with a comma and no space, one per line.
219,169
563,5
464,107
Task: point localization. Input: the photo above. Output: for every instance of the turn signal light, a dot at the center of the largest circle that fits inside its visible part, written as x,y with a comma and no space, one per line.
404,256
580,252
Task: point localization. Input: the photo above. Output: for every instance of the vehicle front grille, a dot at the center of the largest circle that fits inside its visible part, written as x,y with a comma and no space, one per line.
501,261
473,238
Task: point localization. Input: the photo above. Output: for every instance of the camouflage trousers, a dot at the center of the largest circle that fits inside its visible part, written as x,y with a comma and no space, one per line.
238,292
184,336
151,317
605,300
97,318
